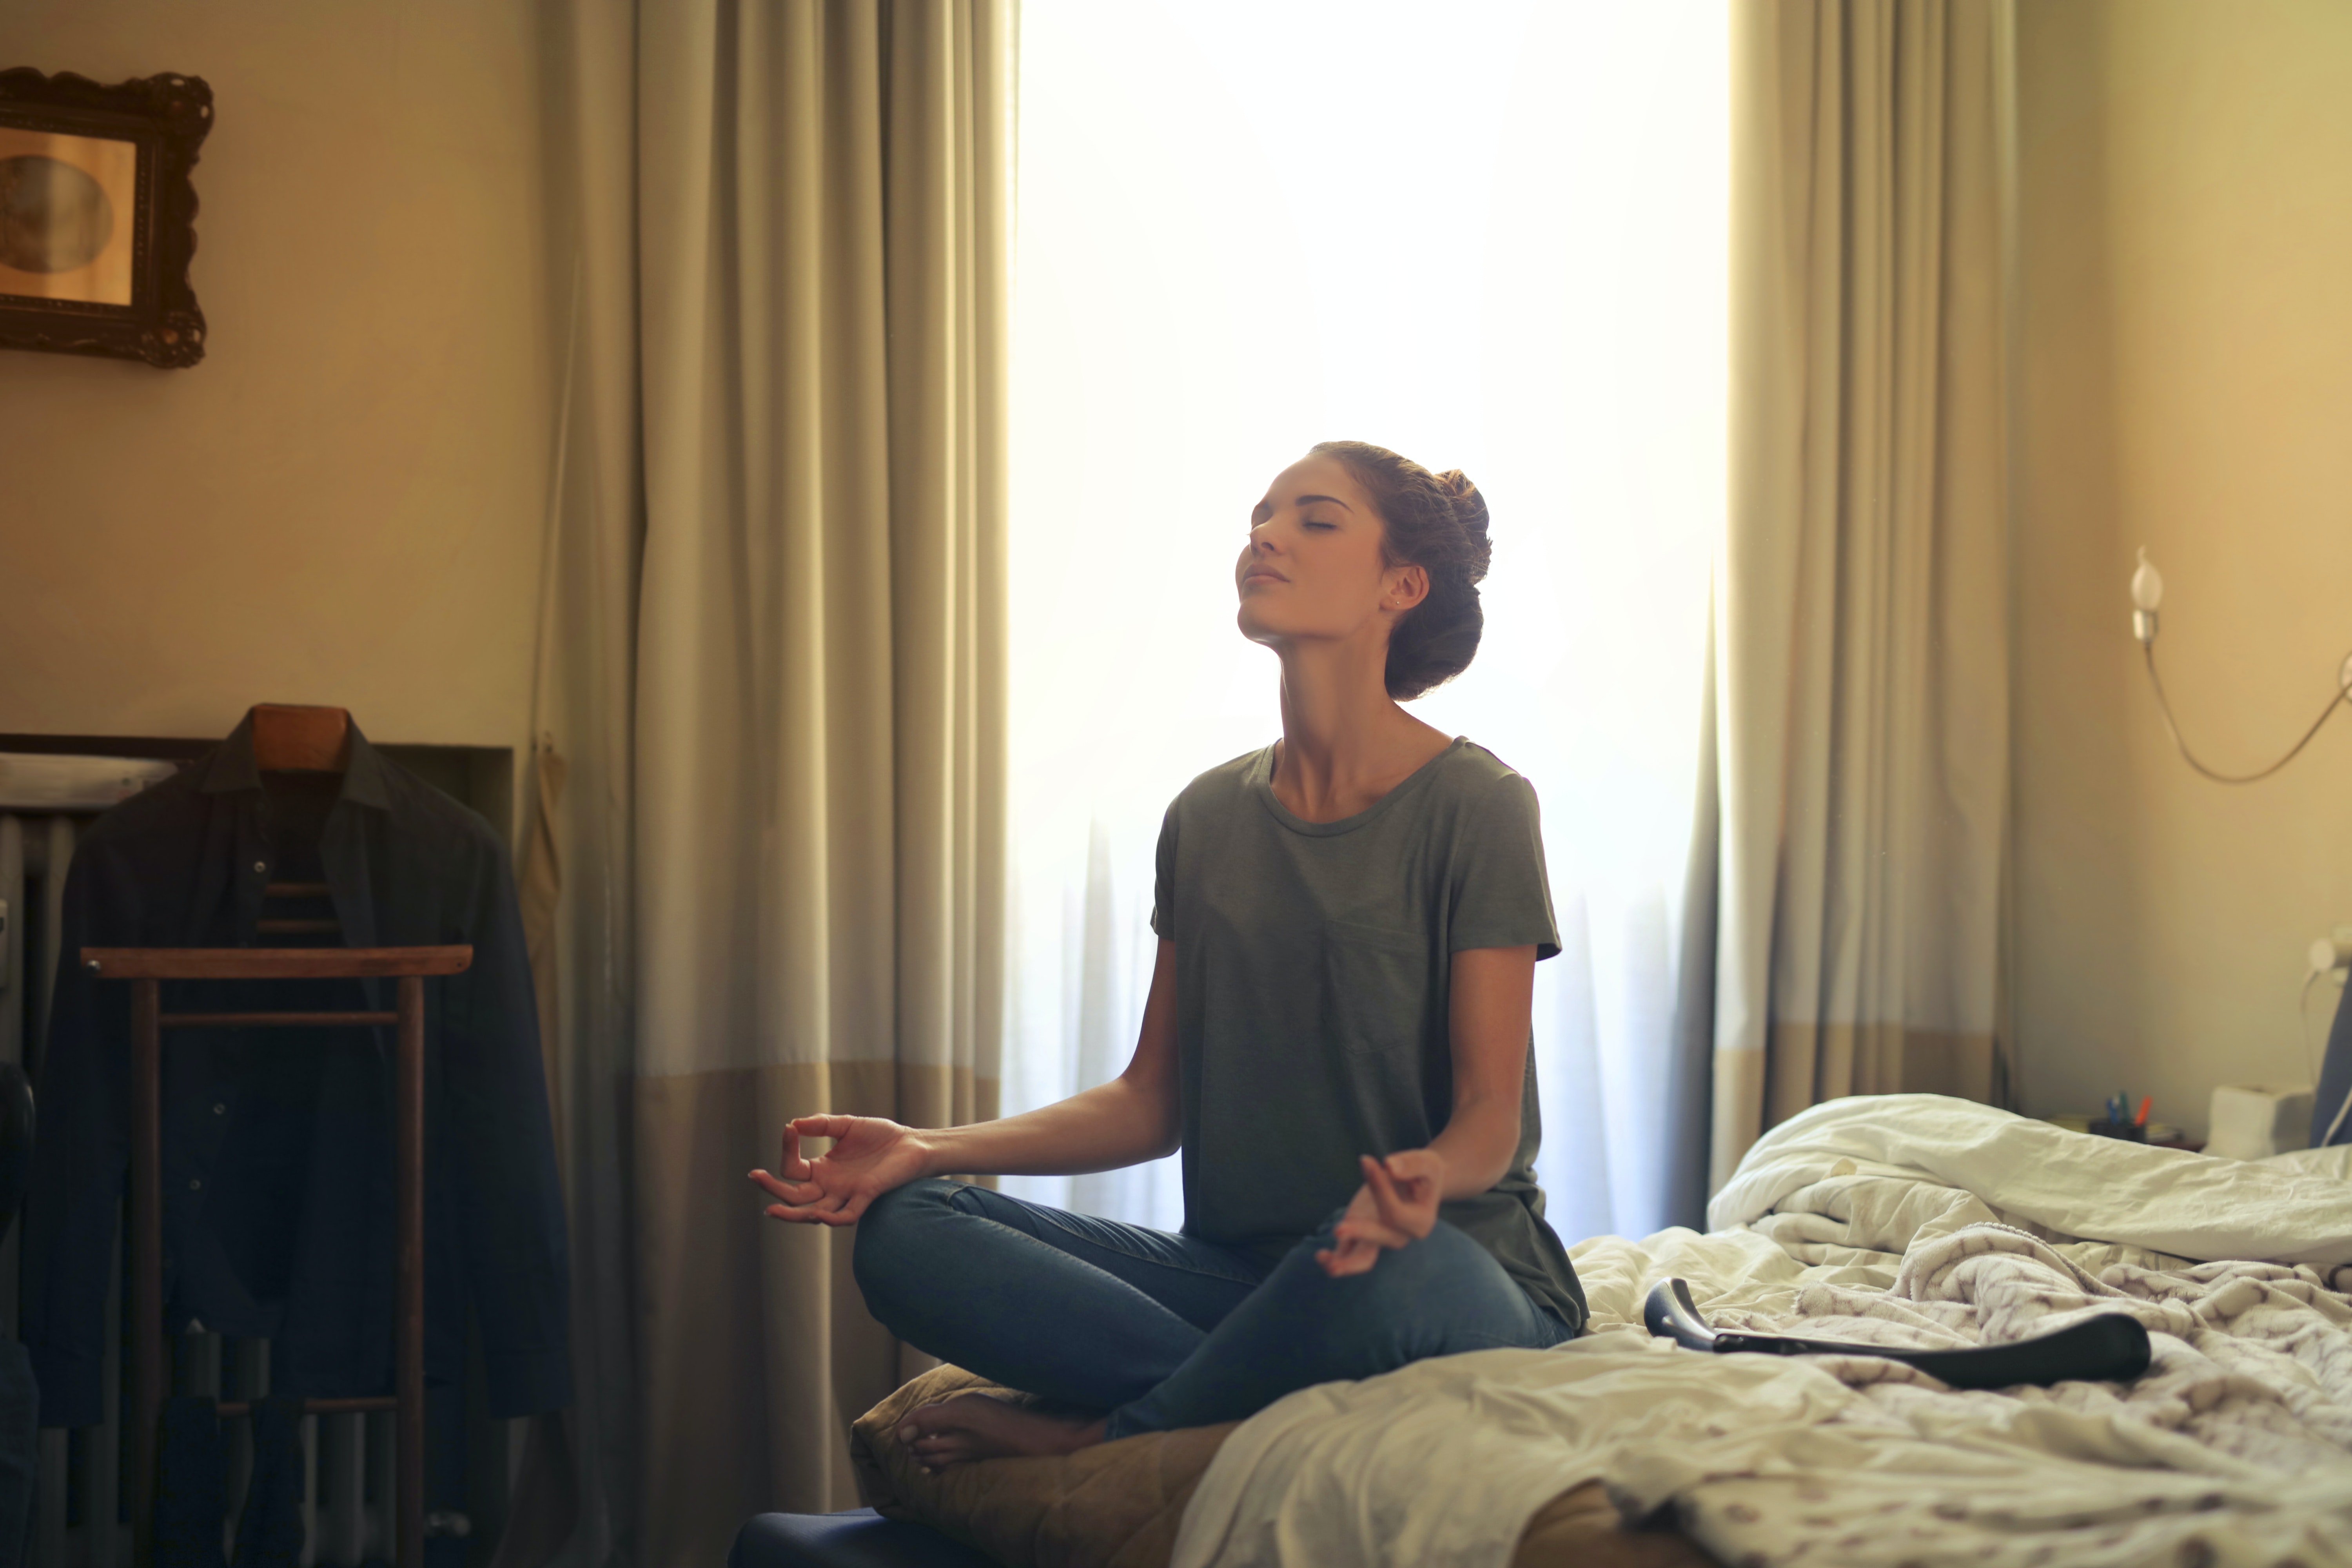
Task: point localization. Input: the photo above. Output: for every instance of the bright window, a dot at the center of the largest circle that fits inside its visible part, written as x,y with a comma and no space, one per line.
1490,236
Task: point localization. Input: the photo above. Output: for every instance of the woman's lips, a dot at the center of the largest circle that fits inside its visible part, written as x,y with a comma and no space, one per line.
1262,575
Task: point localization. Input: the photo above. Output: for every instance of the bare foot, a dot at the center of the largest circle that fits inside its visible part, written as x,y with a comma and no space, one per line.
976,1426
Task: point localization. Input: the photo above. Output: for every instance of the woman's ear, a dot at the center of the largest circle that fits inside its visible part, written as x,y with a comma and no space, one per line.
1402,587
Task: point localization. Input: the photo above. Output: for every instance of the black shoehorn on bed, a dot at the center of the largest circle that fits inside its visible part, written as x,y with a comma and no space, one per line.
2109,1347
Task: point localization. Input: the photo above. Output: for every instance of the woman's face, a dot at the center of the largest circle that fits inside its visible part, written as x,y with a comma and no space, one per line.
1313,567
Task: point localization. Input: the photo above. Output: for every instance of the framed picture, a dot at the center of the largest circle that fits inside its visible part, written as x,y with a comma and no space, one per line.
97,216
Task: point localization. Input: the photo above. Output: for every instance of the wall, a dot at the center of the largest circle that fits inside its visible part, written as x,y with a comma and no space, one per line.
343,503
2184,381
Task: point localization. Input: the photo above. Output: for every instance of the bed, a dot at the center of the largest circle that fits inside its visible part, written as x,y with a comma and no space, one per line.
1901,1220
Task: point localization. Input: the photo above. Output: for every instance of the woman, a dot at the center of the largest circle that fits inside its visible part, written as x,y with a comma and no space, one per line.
1337,1037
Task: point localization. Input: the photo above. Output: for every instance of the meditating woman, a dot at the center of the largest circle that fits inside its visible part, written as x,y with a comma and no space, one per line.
1337,1037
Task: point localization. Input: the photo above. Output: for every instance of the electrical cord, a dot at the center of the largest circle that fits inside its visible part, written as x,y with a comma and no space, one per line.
2342,696
2144,623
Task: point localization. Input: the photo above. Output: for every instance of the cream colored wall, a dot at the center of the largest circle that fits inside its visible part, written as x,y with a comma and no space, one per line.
343,503
2185,382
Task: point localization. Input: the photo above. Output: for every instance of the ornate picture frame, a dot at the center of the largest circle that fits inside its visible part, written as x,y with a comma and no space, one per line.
98,214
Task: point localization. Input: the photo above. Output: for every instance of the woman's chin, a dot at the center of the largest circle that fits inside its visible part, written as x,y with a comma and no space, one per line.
1253,624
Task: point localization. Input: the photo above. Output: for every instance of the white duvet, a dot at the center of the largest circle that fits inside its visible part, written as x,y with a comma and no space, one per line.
1911,1220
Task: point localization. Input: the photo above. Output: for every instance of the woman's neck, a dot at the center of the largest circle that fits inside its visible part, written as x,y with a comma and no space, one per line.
1345,743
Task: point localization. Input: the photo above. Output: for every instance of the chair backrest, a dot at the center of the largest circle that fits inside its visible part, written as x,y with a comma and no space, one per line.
2331,1115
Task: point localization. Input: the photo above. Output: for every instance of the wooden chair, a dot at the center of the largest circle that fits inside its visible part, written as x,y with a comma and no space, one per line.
146,969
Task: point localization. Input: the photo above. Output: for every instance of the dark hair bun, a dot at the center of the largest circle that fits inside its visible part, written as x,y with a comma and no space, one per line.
1437,522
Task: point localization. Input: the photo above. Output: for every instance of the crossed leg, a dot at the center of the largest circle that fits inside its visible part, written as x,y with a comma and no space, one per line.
1157,1331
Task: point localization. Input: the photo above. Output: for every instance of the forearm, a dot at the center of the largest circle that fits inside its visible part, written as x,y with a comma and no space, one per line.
1477,1145
1101,1129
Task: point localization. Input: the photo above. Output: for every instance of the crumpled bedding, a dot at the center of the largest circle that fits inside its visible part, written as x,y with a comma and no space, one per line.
1901,1220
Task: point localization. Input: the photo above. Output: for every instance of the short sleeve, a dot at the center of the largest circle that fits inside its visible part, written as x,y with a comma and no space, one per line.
1502,897
1164,882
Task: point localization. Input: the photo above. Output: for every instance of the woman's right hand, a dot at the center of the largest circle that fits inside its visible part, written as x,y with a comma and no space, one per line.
869,1156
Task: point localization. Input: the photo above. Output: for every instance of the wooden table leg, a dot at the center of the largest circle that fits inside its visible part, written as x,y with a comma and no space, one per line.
146,1293
408,1131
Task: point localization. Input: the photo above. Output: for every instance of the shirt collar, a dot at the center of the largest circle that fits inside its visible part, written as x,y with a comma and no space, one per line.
231,768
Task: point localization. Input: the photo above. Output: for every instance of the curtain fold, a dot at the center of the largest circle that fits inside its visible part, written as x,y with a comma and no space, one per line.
1862,651
575,1497
772,672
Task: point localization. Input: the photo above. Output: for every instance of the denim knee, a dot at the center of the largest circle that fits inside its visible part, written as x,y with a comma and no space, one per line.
1403,1281
1445,1240
886,1255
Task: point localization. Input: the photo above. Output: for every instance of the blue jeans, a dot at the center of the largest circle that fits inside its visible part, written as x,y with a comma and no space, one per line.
1165,1331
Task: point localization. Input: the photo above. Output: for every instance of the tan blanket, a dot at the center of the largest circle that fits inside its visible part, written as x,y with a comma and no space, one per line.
1117,1505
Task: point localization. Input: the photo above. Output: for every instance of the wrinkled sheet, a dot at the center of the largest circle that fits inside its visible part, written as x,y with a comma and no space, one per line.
1903,1220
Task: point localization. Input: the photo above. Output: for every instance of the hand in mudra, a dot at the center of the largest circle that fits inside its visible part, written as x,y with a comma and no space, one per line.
869,1156
1396,1206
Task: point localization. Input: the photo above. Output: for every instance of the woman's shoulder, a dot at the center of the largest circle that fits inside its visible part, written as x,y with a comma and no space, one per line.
1470,770
1225,783
1478,793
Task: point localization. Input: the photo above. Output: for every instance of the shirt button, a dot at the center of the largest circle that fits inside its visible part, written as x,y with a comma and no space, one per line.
262,868
195,1183
220,1107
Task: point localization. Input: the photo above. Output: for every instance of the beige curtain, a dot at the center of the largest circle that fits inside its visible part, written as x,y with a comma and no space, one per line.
576,1499
1862,636
776,656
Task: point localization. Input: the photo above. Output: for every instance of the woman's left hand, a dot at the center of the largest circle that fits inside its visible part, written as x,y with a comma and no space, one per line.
1396,1208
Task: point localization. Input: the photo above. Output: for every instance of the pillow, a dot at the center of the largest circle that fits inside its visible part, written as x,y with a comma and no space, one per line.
2336,1161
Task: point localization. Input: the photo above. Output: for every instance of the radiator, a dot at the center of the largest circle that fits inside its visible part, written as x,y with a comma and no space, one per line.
80,1515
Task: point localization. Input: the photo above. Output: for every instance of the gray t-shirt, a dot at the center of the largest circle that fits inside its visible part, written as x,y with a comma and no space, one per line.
1312,966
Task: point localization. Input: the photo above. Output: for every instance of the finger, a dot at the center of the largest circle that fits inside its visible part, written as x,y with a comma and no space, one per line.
798,1194
824,1210
792,1168
789,1192
1381,1176
823,1126
1371,1233
830,1203
1410,1202
1340,1261
1413,1175
1357,1250
1376,1225
1393,1206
